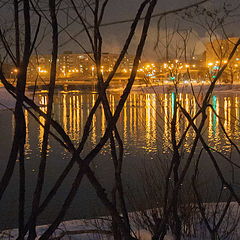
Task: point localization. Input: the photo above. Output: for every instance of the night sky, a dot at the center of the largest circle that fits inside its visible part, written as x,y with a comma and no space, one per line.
114,36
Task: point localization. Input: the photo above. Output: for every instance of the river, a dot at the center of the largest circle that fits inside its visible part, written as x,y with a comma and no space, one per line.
144,127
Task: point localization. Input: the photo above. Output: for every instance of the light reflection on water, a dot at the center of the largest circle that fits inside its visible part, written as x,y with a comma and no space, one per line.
146,118
144,126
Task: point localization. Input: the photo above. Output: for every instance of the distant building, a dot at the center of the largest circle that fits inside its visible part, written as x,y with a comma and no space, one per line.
70,65
199,60
217,54
219,50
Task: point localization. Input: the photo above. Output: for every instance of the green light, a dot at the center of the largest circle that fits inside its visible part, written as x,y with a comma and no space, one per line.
214,119
173,102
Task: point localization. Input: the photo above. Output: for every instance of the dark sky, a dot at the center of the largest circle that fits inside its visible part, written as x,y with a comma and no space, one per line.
126,9
114,36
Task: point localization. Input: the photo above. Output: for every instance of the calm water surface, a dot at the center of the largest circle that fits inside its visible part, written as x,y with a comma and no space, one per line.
144,126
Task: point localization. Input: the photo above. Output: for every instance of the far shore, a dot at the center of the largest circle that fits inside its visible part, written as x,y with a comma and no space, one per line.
221,88
186,88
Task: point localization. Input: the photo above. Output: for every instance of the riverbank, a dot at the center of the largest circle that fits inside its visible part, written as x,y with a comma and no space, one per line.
95,229
188,88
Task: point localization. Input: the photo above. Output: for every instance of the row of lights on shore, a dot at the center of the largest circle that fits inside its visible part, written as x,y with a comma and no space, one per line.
150,67
218,63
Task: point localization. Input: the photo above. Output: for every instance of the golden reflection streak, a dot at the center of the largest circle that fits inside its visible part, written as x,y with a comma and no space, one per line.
154,119
225,112
217,133
94,125
166,125
74,118
27,144
102,121
210,124
135,115
236,125
229,115
70,117
43,102
236,108
148,121
187,107
125,121
130,115
81,116
78,116
64,115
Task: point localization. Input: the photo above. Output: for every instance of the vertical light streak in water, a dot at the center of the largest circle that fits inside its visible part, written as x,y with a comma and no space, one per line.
187,103
64,116
229,117
217,136
131,114
166,124
88,103
81,112
237,123
78,115
141,114
43,102
194,107
180,97
27,145
70,119
187,107
236,108
148,121
41,130
210,123
173,105
154,120
180,122
218,112
74,118
94,125
173,102
225,112
214,117
194,112
102,121
58,105
135,115
125,122
112,104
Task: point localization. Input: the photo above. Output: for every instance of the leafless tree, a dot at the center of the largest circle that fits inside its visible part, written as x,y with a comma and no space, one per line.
116,205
